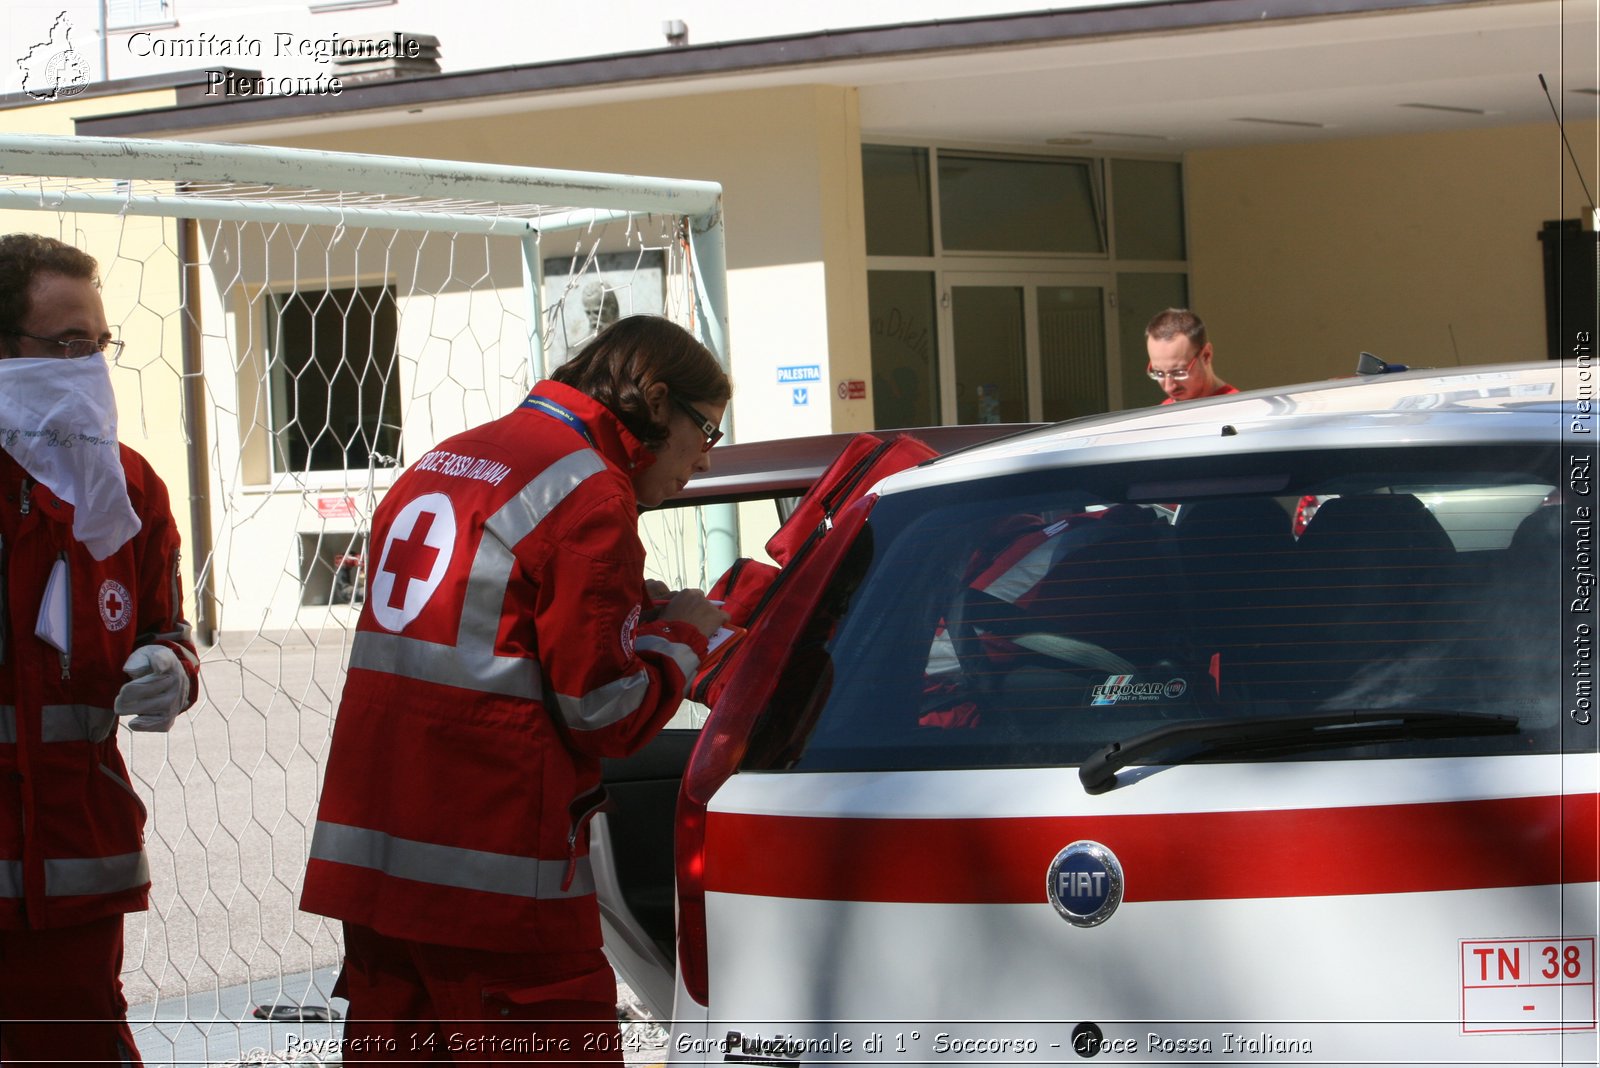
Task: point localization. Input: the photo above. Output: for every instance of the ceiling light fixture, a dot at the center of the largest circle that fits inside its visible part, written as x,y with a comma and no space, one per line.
1446,107
1285,122
1122,133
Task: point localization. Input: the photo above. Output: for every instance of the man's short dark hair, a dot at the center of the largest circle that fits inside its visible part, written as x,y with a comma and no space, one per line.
22,257
1175,321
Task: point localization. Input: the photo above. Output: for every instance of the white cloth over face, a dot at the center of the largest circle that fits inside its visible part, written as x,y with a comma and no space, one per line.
58,419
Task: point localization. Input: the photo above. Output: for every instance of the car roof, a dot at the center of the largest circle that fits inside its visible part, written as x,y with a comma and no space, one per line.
1515,402
786,467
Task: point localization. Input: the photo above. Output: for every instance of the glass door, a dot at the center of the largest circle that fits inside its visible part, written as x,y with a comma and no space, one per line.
1025,347
989,329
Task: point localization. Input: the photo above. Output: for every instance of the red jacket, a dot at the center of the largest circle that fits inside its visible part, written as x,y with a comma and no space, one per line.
71,826
499,655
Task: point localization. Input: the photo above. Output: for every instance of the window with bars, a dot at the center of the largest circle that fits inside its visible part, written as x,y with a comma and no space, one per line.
334,396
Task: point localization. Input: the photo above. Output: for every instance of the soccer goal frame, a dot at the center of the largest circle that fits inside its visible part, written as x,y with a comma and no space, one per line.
524,202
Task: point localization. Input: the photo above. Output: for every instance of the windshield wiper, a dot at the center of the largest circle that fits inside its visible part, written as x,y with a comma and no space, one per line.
1314,730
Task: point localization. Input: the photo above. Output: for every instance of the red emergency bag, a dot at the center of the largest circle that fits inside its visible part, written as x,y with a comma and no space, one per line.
748,586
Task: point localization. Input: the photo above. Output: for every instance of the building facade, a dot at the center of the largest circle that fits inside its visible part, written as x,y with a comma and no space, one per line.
956,213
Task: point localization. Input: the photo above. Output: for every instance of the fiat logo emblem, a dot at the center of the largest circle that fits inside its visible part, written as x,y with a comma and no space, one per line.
1085,883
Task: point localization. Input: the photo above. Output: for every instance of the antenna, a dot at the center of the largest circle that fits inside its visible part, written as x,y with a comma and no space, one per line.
1570,155
1368,364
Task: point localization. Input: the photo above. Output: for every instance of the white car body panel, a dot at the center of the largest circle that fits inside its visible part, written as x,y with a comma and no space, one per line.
897,967
1325,415
1325,909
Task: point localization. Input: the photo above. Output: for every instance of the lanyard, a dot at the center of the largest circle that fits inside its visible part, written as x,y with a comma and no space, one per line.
546,406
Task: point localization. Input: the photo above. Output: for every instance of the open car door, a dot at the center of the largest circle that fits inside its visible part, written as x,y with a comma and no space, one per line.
632,843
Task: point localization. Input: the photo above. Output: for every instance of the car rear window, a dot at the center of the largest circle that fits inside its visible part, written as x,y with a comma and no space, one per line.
1033,619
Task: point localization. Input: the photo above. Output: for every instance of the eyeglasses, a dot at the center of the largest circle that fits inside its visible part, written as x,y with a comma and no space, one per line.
1176,376
705,426
78,347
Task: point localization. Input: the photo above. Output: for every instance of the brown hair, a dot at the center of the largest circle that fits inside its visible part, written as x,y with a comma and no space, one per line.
1174,321
22,257
634,353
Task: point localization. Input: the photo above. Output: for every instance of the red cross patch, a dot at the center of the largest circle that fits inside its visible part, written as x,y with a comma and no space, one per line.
116,607
415,557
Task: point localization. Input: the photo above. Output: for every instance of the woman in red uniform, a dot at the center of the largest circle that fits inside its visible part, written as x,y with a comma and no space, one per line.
506,644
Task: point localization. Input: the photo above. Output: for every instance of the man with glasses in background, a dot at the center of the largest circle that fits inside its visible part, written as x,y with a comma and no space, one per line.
92,629
1180,357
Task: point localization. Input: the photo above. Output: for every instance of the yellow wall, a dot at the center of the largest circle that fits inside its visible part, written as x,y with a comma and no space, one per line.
844,221
789,164
57,117
1423,250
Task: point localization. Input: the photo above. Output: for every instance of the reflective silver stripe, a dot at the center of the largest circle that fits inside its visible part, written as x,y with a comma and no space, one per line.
427,862
412,658
687,659
617,700
95,875
76,723
62,723
471,664
604,705
76,878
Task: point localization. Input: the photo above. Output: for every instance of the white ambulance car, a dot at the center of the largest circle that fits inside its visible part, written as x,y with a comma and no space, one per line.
1081,747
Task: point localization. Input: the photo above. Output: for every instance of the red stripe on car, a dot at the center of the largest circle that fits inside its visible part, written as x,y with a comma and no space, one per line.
1379,849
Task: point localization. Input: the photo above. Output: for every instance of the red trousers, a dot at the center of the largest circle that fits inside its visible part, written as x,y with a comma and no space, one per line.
67,974
412,1001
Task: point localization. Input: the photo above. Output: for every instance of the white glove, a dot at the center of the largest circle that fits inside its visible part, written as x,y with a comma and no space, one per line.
158,690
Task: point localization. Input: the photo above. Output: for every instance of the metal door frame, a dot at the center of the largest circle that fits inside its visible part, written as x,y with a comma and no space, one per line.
1029,282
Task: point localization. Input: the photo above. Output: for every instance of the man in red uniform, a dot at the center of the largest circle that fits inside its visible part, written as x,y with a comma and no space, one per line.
1180,357
93,628
506,644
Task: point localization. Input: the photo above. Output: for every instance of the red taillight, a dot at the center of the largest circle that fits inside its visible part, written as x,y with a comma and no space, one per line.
726,734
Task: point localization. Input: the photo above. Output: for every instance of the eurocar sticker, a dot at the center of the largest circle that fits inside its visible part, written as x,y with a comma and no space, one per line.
1130,689
1527,985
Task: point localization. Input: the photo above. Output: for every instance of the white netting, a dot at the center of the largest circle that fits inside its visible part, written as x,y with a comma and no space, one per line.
279,371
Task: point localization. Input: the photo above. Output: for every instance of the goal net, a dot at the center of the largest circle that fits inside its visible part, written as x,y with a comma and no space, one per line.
299,326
